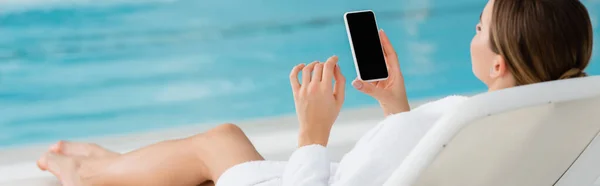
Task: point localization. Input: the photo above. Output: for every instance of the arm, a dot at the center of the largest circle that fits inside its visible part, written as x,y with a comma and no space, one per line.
318,103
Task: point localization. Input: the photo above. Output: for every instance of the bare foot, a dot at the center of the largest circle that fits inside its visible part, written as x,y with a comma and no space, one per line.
75,149
64,168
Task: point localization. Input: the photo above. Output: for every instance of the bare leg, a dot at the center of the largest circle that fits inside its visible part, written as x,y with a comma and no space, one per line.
187,162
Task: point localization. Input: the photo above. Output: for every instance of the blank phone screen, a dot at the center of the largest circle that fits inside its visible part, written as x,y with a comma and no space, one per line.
367,46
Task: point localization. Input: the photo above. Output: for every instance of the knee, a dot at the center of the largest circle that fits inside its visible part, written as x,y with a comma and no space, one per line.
227,128
221,131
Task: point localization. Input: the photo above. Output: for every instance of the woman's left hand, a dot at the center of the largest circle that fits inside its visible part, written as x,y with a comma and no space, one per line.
318,101
391,93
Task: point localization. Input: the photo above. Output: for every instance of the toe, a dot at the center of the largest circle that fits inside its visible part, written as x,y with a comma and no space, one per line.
42,163
73,148
54,163
56,148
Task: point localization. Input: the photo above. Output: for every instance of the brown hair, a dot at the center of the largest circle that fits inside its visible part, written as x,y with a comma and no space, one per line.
542,40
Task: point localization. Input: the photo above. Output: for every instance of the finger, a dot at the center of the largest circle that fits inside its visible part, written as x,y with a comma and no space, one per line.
387,45
388,49
366,88
329,69
317,73
339,91
306,73
294,77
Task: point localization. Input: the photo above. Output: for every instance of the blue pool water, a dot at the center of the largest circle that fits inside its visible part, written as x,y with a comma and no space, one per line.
85,68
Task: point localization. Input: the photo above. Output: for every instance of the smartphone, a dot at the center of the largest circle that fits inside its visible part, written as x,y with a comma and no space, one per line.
367,51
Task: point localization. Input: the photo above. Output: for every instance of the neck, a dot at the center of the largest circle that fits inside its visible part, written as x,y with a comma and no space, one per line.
502,83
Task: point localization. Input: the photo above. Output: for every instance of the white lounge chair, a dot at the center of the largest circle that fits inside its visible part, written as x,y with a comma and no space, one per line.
544,134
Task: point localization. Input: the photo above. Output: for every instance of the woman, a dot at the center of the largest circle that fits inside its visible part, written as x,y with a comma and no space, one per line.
516,43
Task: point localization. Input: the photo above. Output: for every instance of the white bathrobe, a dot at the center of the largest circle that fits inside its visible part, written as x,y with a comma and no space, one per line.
371,162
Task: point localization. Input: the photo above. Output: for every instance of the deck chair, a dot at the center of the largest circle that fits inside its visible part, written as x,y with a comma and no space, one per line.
545,134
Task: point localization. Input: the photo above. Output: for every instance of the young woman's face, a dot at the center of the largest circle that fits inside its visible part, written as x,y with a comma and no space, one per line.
482,56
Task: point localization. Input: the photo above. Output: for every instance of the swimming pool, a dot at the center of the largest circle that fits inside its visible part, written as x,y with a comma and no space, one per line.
80,69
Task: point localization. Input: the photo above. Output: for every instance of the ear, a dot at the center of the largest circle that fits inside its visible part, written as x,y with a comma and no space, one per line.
499,67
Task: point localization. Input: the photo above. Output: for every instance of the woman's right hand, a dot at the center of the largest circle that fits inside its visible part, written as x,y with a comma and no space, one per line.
318,101
390,93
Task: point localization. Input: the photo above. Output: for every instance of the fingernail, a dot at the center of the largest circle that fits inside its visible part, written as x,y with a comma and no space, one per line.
331,58
357,84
